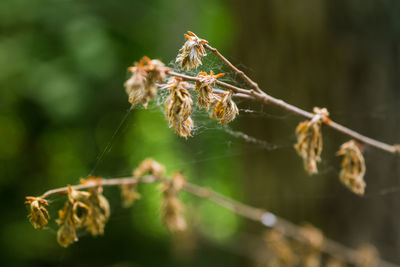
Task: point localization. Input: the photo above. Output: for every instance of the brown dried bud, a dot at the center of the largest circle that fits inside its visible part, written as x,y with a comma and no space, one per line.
367,256
353,167
314,239
204,86
172,207
333,262
191,52
38,216
142,85
309,140
313,236
151,167
98,212
224,110
72,216
281,248
178,107
129,194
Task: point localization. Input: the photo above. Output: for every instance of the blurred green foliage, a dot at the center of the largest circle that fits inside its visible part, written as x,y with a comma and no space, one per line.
63,65
64,114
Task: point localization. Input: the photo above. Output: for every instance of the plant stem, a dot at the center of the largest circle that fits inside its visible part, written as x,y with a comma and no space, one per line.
267,99
262,216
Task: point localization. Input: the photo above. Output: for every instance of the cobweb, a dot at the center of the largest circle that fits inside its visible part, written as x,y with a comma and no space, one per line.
204,125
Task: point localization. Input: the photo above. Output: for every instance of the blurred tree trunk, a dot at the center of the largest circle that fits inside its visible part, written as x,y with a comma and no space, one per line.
336,54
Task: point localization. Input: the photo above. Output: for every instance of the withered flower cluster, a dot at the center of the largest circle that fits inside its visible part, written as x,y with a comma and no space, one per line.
172,207
142,85
83,210
224,110
368,256
192,51
353,167
303,250
204,87
309,140
38,216
314,240
178,107
281,249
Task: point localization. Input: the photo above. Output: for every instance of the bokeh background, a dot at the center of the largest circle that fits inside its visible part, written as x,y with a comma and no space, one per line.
64,114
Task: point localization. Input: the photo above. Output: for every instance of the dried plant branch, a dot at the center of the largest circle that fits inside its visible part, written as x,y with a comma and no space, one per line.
262,216
267,99
228,63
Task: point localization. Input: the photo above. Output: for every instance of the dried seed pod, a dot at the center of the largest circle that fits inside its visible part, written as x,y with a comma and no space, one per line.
129,194
333,262
172,207
309,140
98,211
142,85
224,109
149,166
178,107
353,167
367,256
72,216
280,248
38,216
314,240
206,97
191,52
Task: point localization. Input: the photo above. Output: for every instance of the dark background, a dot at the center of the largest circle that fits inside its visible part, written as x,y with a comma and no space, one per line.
62,68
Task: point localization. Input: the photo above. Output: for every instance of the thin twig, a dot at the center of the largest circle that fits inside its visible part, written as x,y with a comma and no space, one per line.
227,62
267,99
262,216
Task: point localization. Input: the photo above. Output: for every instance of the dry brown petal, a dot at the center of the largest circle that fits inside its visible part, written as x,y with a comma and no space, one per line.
191,52
353,167
39,216
309,140
142,85
224,110
178,108
151,167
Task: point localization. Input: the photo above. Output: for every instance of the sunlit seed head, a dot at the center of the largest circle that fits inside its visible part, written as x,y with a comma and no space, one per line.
224,108
141,87
204,85
191,52
178,107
